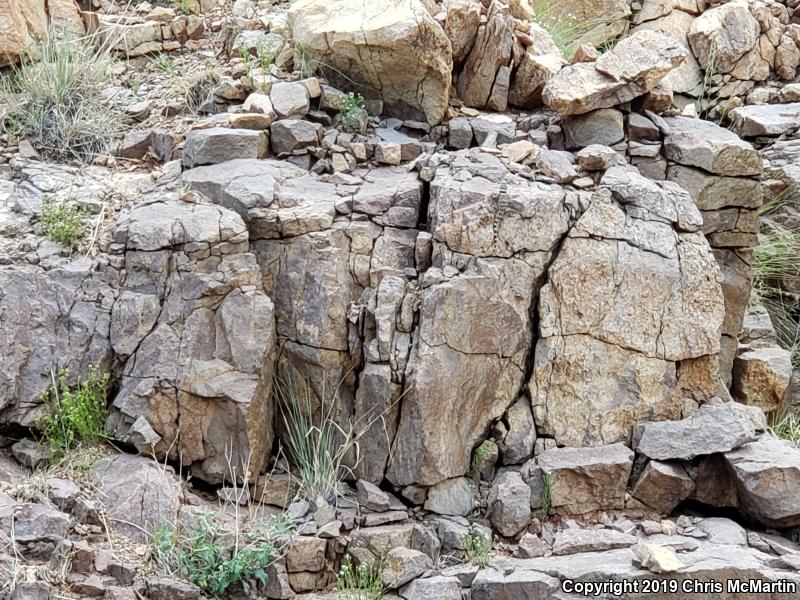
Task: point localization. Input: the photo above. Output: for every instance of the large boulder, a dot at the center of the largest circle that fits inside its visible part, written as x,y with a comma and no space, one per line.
198,335
394,47
52,320
723,35
633,67
602,364
767,475
710,430
24,22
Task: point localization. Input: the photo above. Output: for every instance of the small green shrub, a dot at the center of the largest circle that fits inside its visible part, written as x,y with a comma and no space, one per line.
546,498
164,63
478,547
364,582
77,413
565,28
54,98
183,6
62,222
351,113
214,558
479,456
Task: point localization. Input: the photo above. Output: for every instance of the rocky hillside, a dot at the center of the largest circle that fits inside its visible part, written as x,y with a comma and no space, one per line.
419,299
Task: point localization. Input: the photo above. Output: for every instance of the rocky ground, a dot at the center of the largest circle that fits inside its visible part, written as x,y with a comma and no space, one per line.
520,270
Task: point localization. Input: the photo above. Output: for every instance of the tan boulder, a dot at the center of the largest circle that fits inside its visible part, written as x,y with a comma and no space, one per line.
490,54
65,17
21,23
394,47
761,377
633,67
463,17
687,77
722,35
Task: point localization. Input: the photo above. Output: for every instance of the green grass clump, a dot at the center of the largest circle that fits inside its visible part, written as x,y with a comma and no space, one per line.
317,446
788,428
479,456
351,113
215,559
478,548
362,582
61,222
566,30
54,99
546,500
76,413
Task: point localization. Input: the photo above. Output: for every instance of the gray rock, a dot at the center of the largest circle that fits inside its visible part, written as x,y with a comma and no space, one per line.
31,590
604,127
402,565
500,127
137,494
460,133
765,119
441,588
490,584
371,497
509,504
289,99
595,157
766,473
62,493
289,135
521,436
711,429
530,546
663,485
586,479
163,588
217,145
703,144
306,554
573,541
32,454
37,529
723,531
208,347
451,497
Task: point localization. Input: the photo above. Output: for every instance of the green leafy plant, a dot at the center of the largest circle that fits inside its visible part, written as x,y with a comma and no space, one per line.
77,413
362,582
61,222
54,98
351,113
317,446
479,456
183,6
478,548
215,559
546,500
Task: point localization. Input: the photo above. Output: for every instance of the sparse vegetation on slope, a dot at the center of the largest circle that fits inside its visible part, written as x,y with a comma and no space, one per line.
77,413
56,102
362,582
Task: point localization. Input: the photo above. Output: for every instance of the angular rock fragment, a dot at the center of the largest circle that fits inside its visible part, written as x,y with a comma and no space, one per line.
710,430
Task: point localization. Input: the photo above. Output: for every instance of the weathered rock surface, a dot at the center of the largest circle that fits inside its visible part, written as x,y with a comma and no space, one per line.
633,67
586,479
394,47
198,331
710,430
723,35
663,263
762,377
767,474
663,485
766,119
24,22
